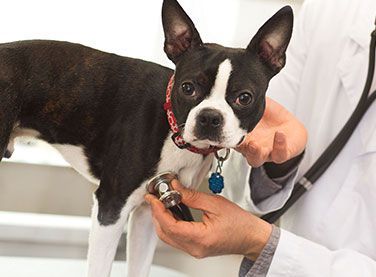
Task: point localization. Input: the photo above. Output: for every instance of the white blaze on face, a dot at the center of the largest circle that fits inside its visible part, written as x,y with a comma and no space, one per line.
231,131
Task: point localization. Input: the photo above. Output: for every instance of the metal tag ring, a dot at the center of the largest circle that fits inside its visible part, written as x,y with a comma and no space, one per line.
225,157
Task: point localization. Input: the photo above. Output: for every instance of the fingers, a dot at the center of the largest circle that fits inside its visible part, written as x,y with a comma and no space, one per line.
160,213
195,199
280,151
165,221
173,232
256,155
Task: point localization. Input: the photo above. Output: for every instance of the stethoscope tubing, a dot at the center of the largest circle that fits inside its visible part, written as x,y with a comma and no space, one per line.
306,182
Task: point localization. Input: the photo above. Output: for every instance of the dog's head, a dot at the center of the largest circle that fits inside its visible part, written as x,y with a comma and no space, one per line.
219,92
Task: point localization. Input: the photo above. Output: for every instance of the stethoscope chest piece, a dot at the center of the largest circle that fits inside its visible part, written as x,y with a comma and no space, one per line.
160,186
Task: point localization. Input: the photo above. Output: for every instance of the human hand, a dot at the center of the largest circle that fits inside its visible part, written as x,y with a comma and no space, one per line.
277,138
225,227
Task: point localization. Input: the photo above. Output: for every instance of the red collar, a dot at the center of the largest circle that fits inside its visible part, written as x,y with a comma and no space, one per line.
176,137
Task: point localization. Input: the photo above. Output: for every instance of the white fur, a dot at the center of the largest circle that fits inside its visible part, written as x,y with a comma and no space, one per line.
20,132
76,157
103,240
232,133
142,239
191,168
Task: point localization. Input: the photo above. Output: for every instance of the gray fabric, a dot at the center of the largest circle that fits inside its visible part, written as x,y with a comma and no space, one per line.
245,267
262,186
260,267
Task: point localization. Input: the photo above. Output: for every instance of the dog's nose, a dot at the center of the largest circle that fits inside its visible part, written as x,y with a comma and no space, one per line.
210,118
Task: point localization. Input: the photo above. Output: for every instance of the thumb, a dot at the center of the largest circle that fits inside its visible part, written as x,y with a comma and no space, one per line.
280,152
195,199
156,205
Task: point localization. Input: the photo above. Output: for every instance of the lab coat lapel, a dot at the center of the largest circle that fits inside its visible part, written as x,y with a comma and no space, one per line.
368,131
365,26
355,55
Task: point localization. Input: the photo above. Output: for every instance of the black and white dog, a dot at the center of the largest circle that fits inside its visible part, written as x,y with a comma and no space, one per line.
105,115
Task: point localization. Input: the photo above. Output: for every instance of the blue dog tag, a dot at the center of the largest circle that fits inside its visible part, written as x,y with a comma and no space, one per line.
216,183
216,180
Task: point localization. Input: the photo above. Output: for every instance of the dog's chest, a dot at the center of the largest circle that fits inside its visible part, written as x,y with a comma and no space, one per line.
191,167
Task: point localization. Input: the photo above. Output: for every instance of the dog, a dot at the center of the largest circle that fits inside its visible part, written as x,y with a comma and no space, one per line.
106,115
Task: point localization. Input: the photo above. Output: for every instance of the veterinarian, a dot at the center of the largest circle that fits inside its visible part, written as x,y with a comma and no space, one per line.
330,231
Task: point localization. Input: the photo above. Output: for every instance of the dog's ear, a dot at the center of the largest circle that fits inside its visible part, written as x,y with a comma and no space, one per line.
180,32
272,39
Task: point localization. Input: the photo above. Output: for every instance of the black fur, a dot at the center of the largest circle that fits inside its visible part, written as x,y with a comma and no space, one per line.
113,106
198,63
72,94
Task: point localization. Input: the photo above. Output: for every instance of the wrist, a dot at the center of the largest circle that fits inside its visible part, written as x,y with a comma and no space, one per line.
258,237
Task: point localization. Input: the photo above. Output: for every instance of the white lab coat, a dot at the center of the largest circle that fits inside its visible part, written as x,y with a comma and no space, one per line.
331,230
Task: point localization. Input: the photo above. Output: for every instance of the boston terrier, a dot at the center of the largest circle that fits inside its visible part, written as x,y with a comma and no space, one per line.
106,115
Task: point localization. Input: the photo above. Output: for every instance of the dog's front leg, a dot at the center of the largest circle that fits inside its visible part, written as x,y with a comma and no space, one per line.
141,242
103,242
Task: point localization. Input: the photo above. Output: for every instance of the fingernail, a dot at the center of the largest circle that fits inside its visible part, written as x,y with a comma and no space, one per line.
279,137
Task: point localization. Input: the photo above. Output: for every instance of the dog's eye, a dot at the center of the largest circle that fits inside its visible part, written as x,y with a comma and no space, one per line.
244,99
188,89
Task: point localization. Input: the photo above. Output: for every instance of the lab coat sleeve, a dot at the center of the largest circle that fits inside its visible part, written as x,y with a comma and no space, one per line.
261,266
299,257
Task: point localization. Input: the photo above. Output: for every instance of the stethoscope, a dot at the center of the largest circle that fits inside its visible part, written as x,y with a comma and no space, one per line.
160,186
306,182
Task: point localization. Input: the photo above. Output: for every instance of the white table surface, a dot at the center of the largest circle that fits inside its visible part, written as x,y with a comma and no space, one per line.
37,267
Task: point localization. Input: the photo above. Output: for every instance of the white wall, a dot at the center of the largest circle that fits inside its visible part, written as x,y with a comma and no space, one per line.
129,27
132,27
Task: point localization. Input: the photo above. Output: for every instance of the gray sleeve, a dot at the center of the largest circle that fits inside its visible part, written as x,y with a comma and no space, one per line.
262,186
260,267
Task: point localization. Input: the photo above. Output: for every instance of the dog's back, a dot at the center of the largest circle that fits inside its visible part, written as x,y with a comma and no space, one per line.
70,94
